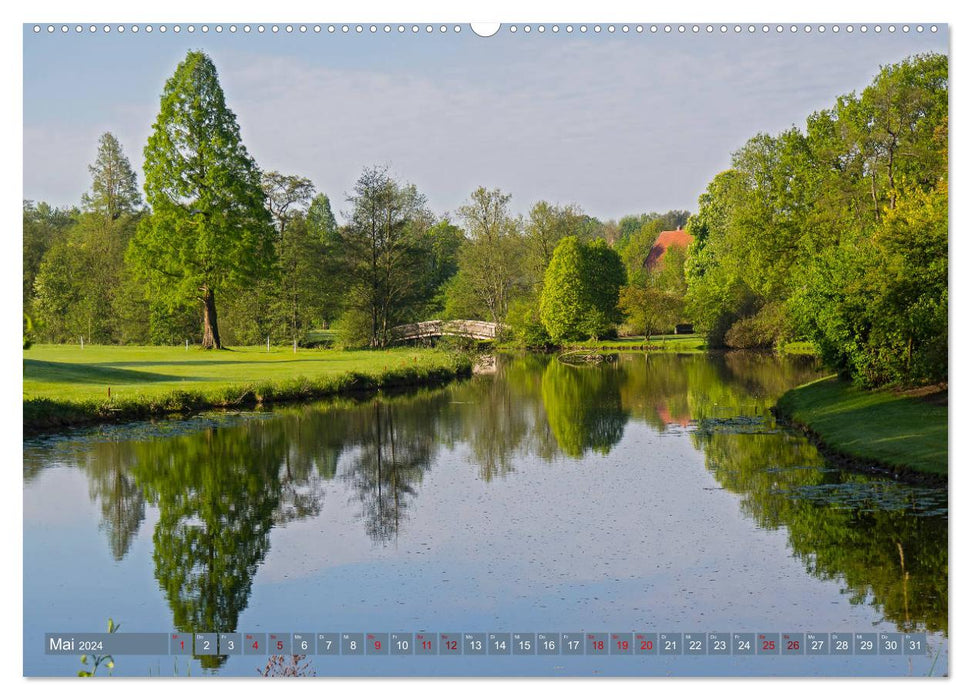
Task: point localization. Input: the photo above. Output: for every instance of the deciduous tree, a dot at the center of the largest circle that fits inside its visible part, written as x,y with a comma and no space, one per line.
581,290
490,263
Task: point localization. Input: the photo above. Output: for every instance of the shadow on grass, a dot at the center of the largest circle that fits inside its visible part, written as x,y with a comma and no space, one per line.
195,362
101,373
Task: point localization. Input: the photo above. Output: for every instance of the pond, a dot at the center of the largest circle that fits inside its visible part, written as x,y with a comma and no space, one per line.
646,493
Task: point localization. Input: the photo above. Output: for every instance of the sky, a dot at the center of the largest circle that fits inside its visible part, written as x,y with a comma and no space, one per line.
616,123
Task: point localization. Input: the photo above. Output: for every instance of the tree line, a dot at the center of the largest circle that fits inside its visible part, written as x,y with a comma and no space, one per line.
222,253
837,233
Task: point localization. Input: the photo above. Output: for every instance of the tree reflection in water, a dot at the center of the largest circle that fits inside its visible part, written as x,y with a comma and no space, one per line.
220,491
583,406
394,448
216,494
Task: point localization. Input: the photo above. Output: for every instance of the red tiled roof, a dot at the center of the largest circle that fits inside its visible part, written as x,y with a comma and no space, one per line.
665,240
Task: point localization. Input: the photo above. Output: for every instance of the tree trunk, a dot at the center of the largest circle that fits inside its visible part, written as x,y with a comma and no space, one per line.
210,326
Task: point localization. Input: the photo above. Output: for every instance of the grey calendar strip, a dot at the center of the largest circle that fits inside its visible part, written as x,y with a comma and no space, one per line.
489,643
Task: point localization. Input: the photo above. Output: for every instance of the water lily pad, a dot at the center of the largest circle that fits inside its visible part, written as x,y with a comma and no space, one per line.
872,496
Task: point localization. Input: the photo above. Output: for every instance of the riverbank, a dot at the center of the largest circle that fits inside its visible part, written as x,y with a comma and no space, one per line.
655,343
684,343
66,386
899,432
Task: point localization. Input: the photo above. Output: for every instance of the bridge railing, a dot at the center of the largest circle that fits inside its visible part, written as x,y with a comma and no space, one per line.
482,330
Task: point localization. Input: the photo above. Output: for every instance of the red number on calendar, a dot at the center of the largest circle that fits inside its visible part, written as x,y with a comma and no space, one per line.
451,645
622,644
647,645
182,644
377,645
598,644
279,645
427,644
792,645
256,644
768,645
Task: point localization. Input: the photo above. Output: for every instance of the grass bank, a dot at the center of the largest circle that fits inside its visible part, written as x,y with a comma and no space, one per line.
685,343
798,347
65,385
896,430
655,343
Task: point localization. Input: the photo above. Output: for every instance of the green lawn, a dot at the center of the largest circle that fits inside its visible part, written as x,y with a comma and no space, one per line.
799,347
64,384
883,425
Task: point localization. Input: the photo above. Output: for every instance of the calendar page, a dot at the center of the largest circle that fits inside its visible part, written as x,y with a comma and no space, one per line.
517,349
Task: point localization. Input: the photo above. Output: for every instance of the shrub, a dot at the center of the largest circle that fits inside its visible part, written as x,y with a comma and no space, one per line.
353,329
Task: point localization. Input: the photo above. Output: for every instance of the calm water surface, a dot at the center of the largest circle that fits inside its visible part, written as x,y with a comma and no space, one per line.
648,493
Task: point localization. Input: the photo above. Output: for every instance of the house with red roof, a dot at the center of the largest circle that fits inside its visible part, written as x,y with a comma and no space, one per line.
665,240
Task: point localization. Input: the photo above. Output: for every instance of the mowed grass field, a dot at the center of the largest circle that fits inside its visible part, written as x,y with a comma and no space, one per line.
885,426
66,373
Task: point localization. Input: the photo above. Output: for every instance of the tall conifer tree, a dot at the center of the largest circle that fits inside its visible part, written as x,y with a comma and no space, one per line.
209,228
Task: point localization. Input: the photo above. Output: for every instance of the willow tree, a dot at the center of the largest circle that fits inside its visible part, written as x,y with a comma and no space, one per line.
209,228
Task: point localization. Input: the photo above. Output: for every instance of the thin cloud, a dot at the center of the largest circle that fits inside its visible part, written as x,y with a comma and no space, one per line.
616,124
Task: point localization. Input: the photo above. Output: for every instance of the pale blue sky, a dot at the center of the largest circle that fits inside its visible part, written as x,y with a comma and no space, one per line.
616,123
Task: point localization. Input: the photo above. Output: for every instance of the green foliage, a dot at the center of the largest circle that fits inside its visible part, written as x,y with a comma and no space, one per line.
654,300
887,322
630,225
59,292
114,188
604,275
77,279
353,329
323,229
769,327
564,302
581,290
837,234
320,218
440,264
297,295
462,300
548,224
209,229
635,248
503,262
43,227
383,253
491,260
526,325
28,331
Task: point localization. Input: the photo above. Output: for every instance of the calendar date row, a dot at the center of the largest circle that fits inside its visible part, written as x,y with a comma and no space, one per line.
491,643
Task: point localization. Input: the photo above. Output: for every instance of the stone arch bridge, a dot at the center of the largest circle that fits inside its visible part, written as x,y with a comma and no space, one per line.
479,330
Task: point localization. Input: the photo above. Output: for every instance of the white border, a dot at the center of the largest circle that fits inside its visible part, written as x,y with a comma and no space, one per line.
603,11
